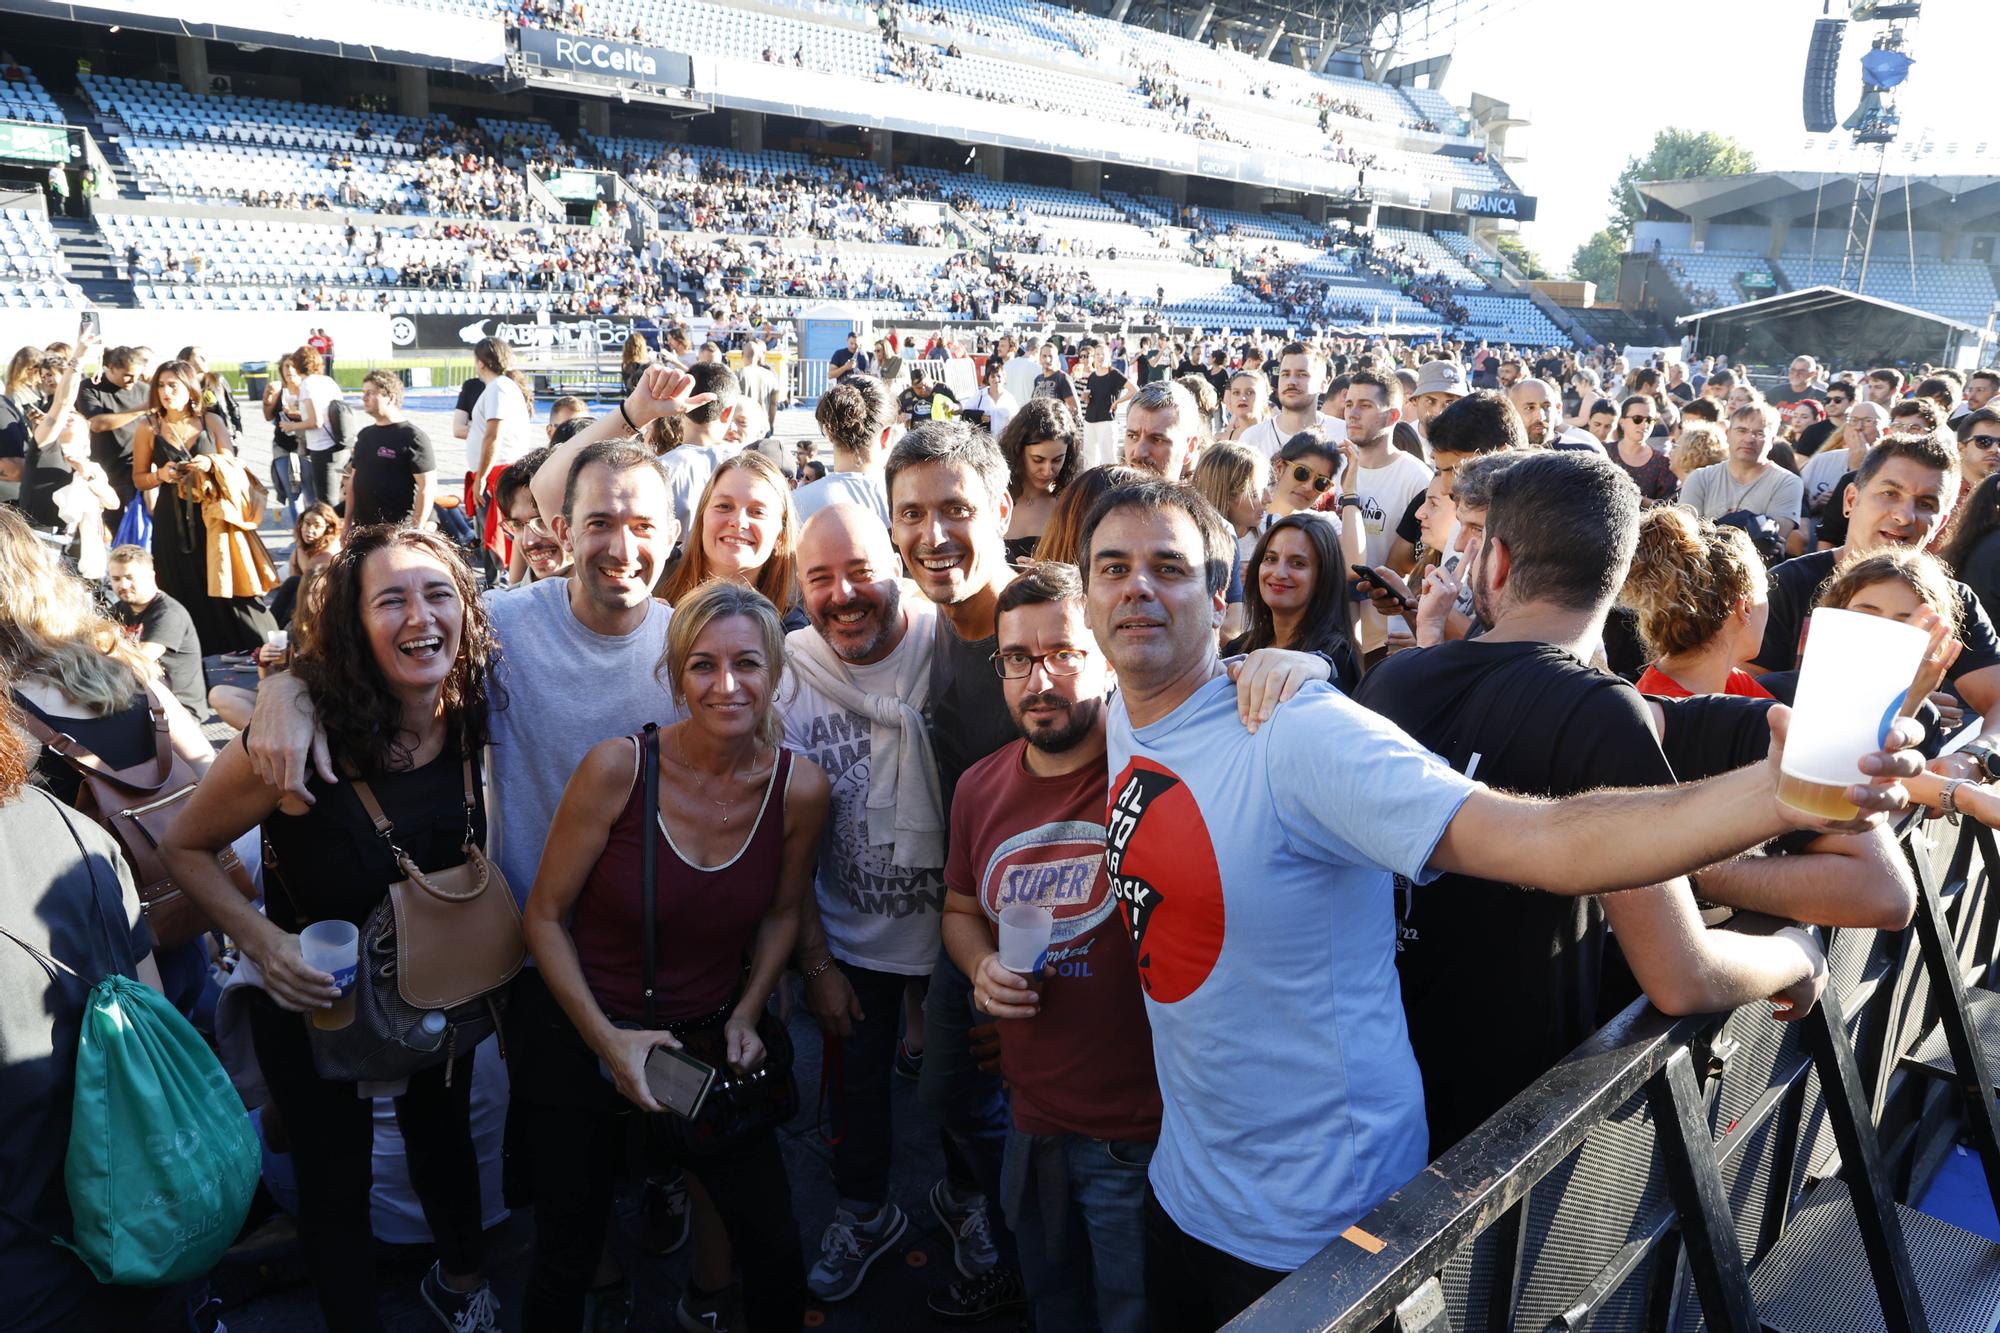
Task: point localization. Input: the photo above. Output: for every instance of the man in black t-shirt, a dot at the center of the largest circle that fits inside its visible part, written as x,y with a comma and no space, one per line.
394,469
461,412
113,403
1900,496
1053,382
1103,390
162,625
1839,399
1520,709
849,360
916,402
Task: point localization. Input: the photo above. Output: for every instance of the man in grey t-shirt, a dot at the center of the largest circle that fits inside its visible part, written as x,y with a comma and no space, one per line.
1748,479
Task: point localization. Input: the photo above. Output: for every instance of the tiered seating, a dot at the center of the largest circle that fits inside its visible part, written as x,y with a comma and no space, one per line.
1434,106
1429,253
163,111
524,135
995,196
1708,277
1263,226
741,34
22,97
31,263
1512,319
1958,289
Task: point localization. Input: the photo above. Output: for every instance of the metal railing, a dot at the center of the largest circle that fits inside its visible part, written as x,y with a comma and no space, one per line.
1660,1161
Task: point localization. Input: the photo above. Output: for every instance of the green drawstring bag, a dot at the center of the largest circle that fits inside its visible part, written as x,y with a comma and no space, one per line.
162,1161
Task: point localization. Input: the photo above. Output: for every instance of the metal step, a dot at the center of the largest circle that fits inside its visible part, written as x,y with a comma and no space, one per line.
1816,1280
1933,1057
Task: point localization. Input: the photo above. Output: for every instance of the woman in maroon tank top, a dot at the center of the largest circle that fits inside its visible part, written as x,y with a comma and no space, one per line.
735,835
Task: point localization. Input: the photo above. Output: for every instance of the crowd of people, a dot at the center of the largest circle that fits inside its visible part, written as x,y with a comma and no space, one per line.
1154,648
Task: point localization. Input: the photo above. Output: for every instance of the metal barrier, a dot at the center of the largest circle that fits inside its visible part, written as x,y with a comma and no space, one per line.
1726,1169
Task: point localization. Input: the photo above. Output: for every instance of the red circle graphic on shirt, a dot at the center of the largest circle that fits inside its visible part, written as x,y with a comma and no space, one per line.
1162,865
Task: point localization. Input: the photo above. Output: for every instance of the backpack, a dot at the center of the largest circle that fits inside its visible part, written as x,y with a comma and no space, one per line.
340,423
162,1161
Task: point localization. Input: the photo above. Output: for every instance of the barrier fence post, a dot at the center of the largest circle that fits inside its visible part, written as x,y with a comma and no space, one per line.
1694,1182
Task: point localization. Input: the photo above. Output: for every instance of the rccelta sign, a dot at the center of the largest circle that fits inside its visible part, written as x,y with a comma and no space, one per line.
605,58
1493,204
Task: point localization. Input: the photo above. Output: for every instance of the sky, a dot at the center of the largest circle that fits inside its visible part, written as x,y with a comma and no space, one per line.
1597,79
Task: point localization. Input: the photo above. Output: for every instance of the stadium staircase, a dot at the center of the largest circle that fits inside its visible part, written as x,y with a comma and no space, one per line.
110,137
92,264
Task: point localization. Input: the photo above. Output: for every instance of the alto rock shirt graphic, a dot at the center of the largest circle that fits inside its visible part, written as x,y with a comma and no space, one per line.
1170,875
1254,875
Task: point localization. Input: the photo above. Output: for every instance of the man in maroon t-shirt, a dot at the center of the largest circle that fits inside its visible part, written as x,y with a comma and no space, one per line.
1074,1043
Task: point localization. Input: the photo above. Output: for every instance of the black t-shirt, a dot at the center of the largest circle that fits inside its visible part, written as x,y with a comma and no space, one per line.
915,404
329,862
82,910
15,432
1831,526
1501,981
1055,384
468,395
99,397
1152,366
968,709
122,739
1188,366
1220,379
863,364
1101,392
1813,436
387,462
1712,734
1796,582
165,621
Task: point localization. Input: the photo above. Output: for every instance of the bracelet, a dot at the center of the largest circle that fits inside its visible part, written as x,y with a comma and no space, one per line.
815,970
628,418
1346,500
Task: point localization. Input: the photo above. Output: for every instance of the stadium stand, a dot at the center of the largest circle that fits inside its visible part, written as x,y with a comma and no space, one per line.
22,97
1959,290
31,264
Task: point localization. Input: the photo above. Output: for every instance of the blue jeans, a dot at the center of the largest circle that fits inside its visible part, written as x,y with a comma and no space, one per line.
1099,1280
967,1102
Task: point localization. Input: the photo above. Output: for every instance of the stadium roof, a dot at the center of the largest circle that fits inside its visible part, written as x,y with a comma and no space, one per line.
1934,203
1846,328
1404,29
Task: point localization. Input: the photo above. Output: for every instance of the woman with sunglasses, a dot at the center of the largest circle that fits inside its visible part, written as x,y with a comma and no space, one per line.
1647,466
1303,472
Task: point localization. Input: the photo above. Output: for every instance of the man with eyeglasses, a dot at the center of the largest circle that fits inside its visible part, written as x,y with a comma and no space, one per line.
1747,479
1799,384
1075,1045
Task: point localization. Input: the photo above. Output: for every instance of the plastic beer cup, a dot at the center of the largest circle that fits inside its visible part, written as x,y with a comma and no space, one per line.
1856,671
1025,929
334,947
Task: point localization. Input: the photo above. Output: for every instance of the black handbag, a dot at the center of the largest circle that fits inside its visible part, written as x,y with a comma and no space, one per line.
739,1107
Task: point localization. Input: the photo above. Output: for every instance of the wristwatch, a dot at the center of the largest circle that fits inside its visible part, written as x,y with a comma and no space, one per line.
1346,500
1987,759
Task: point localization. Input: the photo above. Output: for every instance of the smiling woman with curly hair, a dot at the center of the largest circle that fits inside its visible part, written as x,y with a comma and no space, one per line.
395,652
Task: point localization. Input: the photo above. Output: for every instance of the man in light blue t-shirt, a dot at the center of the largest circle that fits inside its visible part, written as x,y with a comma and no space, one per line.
1254,869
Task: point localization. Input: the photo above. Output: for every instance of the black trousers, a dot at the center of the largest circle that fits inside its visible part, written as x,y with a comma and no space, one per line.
1192,1287
573,1126
332,1133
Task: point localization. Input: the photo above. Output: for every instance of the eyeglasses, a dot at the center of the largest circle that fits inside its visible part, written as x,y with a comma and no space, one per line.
1644,421
1988,442
1320,481
1017,666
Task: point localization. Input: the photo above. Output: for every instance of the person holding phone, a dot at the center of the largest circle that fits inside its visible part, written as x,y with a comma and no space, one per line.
735,836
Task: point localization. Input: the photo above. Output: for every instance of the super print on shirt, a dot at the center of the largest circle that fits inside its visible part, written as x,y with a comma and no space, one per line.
1176,936
1055,866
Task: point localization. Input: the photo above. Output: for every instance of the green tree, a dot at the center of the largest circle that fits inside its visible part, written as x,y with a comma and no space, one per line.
1596,260
1520,256
1676,154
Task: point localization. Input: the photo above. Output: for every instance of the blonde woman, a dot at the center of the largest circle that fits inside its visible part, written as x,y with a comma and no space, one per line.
744,530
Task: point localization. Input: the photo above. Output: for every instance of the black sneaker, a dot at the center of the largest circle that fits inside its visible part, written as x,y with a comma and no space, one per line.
475,1311
972,1299
664,1214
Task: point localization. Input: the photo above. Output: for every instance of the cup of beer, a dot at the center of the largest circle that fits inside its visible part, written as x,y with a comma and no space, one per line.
1025,929
1856,671
334,947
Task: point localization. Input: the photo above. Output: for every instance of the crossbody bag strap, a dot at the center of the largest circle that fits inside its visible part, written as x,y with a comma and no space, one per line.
649,859
373,807
81,758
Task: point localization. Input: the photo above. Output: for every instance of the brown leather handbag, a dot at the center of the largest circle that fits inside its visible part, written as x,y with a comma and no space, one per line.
136,805
458,932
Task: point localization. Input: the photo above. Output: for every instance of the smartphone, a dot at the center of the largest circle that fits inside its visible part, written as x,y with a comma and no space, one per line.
678,1081
1362,571
90,326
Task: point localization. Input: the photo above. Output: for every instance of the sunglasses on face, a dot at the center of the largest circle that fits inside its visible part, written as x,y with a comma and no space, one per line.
1986,442
1644,421
1320,481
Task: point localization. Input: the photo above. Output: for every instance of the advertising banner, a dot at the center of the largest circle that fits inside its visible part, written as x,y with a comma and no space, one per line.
1494,204
605,57
523,333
